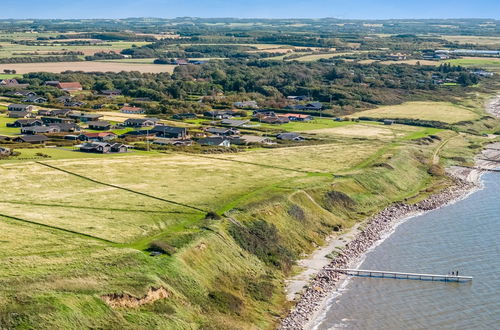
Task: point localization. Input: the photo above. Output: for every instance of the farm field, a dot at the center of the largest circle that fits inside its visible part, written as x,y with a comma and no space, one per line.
440,111
371,131
324,158
478,40
488,63
11,50
412,62
86,66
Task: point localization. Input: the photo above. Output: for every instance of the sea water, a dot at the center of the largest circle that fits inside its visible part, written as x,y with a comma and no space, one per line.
463,237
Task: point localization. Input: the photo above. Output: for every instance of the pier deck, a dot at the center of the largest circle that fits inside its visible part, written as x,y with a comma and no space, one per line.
399,275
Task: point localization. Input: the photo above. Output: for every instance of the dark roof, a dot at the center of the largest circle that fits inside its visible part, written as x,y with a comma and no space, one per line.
213,140
169,129
32,138
233,122
288,136
22,106
102,123
141,120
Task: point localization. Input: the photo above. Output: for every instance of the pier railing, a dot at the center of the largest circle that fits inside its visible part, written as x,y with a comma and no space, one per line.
399,275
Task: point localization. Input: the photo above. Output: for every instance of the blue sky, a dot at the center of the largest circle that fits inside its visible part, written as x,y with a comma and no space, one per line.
250,8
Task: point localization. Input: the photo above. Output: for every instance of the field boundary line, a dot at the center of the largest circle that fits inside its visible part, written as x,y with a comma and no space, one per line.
56,228
122,188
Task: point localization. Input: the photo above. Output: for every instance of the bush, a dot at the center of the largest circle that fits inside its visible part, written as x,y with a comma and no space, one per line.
226,302
161,247
339,199
436,170
297,213
262,239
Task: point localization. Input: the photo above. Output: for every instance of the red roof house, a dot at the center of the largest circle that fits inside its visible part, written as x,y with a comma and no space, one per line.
70,86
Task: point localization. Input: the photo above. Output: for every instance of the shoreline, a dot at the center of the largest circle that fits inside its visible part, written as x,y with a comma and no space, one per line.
313,301
320,290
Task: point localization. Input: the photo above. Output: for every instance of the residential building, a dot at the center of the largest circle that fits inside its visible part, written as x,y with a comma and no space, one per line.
21,107
70,86
140,122
33,139
290,136
215,141
101,125
131,110
170,132
97,137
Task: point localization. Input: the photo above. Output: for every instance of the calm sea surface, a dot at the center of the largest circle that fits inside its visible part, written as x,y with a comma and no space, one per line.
464,236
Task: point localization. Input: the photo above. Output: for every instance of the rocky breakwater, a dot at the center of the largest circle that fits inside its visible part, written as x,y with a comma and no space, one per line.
326,281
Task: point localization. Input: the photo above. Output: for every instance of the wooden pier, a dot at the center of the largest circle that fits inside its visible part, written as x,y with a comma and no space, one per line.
398,275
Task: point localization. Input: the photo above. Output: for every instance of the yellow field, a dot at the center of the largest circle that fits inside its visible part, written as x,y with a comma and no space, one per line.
87,66
370,131
440,111
478,40
413,62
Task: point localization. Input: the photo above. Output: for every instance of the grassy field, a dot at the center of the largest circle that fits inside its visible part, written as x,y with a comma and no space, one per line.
477,40
440,111
4,130
10,50
87,66
488,63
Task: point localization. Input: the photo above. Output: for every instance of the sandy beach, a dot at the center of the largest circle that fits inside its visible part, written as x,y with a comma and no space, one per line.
313,287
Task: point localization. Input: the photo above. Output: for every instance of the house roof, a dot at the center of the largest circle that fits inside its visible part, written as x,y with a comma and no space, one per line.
99,134
213,140
69,85
218,130
296,115
99,123
141,120
39,129
32,138
28,121
129,108
22,106
288,136
233,122
169,129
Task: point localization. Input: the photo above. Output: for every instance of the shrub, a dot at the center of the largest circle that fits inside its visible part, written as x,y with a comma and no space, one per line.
436,170
297,213
161,247
339,199
262,239
226,302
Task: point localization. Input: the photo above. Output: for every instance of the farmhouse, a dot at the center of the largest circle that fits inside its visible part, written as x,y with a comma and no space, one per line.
132,110
67,127
21,93
69,86
183,116
246,105
222,131
52,120
33,139
233,123
251,139
39,130
274,120
170,132
298,97
99,125
297,117
111,92
20,107
84,117
140,122
218,114
52,83
313,106
290,136
35,99
174,142
215,141
26,123
9,82
98,137
21,114
103,147
5,151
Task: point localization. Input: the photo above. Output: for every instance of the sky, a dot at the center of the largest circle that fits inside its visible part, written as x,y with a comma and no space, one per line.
361,9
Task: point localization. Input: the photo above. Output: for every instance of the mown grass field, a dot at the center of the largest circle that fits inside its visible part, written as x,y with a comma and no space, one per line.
439,111
487,63
478,40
